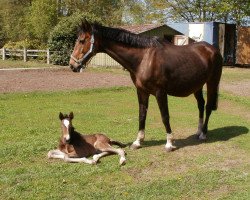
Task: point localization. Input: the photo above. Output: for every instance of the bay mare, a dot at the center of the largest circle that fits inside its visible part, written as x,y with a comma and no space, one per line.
156,68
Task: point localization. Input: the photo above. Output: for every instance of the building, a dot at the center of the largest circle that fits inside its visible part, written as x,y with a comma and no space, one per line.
220,35
243,46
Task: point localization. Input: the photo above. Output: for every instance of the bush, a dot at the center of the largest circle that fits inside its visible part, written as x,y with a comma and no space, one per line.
28,44
62,38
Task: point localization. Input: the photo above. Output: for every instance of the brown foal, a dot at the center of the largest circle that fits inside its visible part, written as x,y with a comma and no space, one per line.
75,147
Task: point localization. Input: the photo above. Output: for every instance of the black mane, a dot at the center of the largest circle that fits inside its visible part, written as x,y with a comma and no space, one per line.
125,37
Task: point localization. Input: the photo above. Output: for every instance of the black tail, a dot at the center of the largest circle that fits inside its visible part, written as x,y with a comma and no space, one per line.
113,142
216,80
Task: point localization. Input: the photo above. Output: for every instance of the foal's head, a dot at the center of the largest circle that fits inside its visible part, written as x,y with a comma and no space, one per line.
66,125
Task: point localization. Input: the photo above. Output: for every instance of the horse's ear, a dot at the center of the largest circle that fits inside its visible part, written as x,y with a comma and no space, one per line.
61,117
86,26
71,115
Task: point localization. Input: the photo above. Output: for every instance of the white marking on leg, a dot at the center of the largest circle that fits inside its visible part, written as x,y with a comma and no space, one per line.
56,154
96,157
139,139
79,160
169,145
200,125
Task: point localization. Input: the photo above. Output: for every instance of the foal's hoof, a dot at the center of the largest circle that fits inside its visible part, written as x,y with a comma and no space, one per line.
170,148
122,161
49,155
93,162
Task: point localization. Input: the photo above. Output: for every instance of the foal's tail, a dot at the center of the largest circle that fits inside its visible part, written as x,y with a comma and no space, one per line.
113,142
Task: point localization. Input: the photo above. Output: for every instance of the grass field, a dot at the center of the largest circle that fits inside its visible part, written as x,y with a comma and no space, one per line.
216,169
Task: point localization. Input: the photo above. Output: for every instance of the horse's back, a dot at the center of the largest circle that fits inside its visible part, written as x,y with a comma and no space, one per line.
187,68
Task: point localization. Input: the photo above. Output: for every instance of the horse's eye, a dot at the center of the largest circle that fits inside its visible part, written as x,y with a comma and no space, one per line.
82,41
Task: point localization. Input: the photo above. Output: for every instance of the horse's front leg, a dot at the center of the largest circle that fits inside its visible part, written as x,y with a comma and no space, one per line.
162,100
143,107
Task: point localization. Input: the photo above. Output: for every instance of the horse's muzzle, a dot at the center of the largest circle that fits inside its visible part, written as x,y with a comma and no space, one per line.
75,69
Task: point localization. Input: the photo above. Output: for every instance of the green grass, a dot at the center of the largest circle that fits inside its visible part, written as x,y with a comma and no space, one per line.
216,169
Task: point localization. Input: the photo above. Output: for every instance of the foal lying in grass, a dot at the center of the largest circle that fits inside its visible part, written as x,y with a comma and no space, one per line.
75,147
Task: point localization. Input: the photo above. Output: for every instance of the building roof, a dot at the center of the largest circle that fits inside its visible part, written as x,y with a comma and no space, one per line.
137,29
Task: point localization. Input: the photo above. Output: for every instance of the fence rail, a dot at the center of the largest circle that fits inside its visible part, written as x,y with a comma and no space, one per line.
25,53
99,60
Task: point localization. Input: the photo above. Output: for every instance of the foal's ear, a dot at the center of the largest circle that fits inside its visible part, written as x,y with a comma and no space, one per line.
71,115
61,116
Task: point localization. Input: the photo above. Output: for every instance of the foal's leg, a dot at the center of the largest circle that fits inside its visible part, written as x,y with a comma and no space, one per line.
108,149
96,157
79,160
162,100
143,108
56,154
201,102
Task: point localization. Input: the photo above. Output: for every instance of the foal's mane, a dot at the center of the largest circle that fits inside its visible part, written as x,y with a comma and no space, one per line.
125,37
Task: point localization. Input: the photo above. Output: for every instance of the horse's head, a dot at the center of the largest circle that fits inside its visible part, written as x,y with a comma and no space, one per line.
66,125
84,47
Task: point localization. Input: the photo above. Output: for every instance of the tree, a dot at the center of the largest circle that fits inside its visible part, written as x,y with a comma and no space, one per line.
140,12
42,18
207,10
13,25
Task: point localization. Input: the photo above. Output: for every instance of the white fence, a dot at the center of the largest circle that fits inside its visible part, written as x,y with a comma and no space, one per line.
99,60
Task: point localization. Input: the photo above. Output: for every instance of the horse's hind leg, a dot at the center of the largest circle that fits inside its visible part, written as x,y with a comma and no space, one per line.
212,102
200,102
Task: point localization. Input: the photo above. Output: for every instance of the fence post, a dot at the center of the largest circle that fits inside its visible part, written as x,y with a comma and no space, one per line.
3,53
48,57
24,54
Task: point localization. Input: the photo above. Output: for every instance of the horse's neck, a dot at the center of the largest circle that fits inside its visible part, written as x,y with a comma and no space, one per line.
128,57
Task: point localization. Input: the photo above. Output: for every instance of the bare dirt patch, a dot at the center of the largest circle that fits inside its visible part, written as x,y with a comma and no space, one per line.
57,80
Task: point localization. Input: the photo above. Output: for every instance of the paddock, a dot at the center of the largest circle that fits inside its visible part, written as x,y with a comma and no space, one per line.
218,168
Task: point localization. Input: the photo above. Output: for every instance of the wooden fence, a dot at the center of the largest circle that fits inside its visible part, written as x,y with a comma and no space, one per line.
25,53
99,60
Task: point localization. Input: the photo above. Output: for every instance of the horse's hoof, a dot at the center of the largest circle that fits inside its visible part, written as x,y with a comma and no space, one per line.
122,161
202,137
170,148
134,146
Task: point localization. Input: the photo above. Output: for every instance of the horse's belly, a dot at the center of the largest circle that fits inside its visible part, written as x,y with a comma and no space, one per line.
184,89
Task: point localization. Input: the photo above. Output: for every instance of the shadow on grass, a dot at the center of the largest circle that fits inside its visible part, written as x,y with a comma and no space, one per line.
219,134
